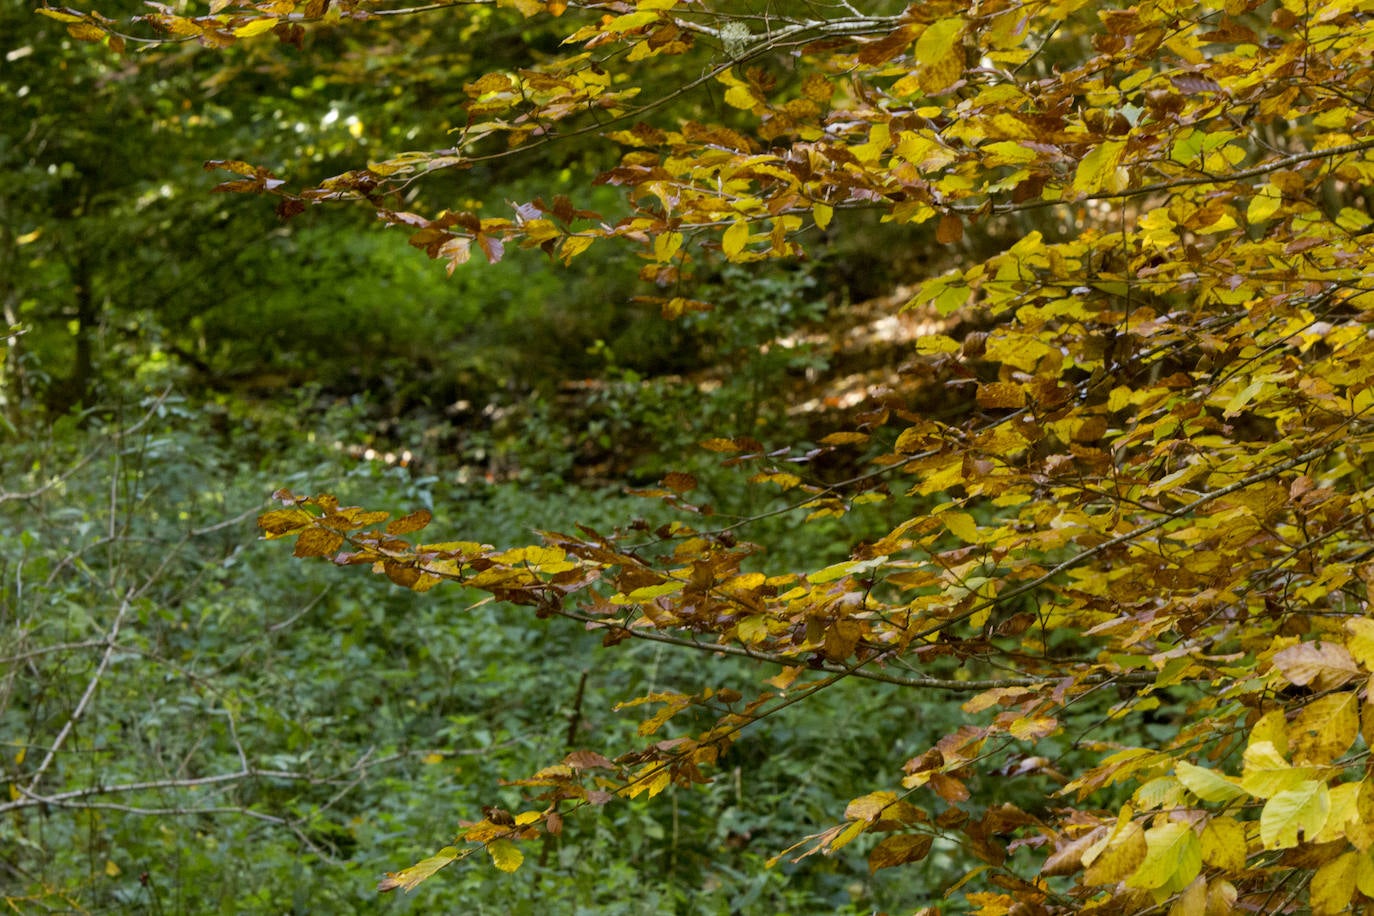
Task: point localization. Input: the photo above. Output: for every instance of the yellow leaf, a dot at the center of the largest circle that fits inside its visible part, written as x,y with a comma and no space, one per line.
282,522
408,878
1333,885
505,855
653,779
1221,898
1001,395
741,97
255,27
1344,821
1264,204
1325,728
666,246
879,139
112,869
1027,728
1265,773
937,343
1193,901
847,835
1006,152
1361,644
1020,351
752,629
940,55
650,592
1243,397
822,214
631,21
574,245
1125,850
1207,785
734,239
1223,844
1294,815
1271,727
869,807
961,525
1098,169
59,15
1364,874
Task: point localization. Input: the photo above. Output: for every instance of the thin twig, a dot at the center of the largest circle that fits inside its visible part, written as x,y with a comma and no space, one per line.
86,696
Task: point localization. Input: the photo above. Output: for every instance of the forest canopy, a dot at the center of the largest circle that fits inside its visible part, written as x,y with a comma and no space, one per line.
1111,500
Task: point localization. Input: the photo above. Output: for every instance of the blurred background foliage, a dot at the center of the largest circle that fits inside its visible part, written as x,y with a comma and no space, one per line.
171,356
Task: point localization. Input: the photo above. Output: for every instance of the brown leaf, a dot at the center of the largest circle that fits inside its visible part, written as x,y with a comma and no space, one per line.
282,522
1068,857
317,542
950,230
679,482
949,788
412,522
586,760
403,575
899,849
994,395
1324,665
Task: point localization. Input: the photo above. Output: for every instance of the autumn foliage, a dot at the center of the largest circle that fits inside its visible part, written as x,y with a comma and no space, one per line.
1155,492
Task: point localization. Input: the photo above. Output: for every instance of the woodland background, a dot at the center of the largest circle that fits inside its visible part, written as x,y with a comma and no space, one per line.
184,354
191,721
